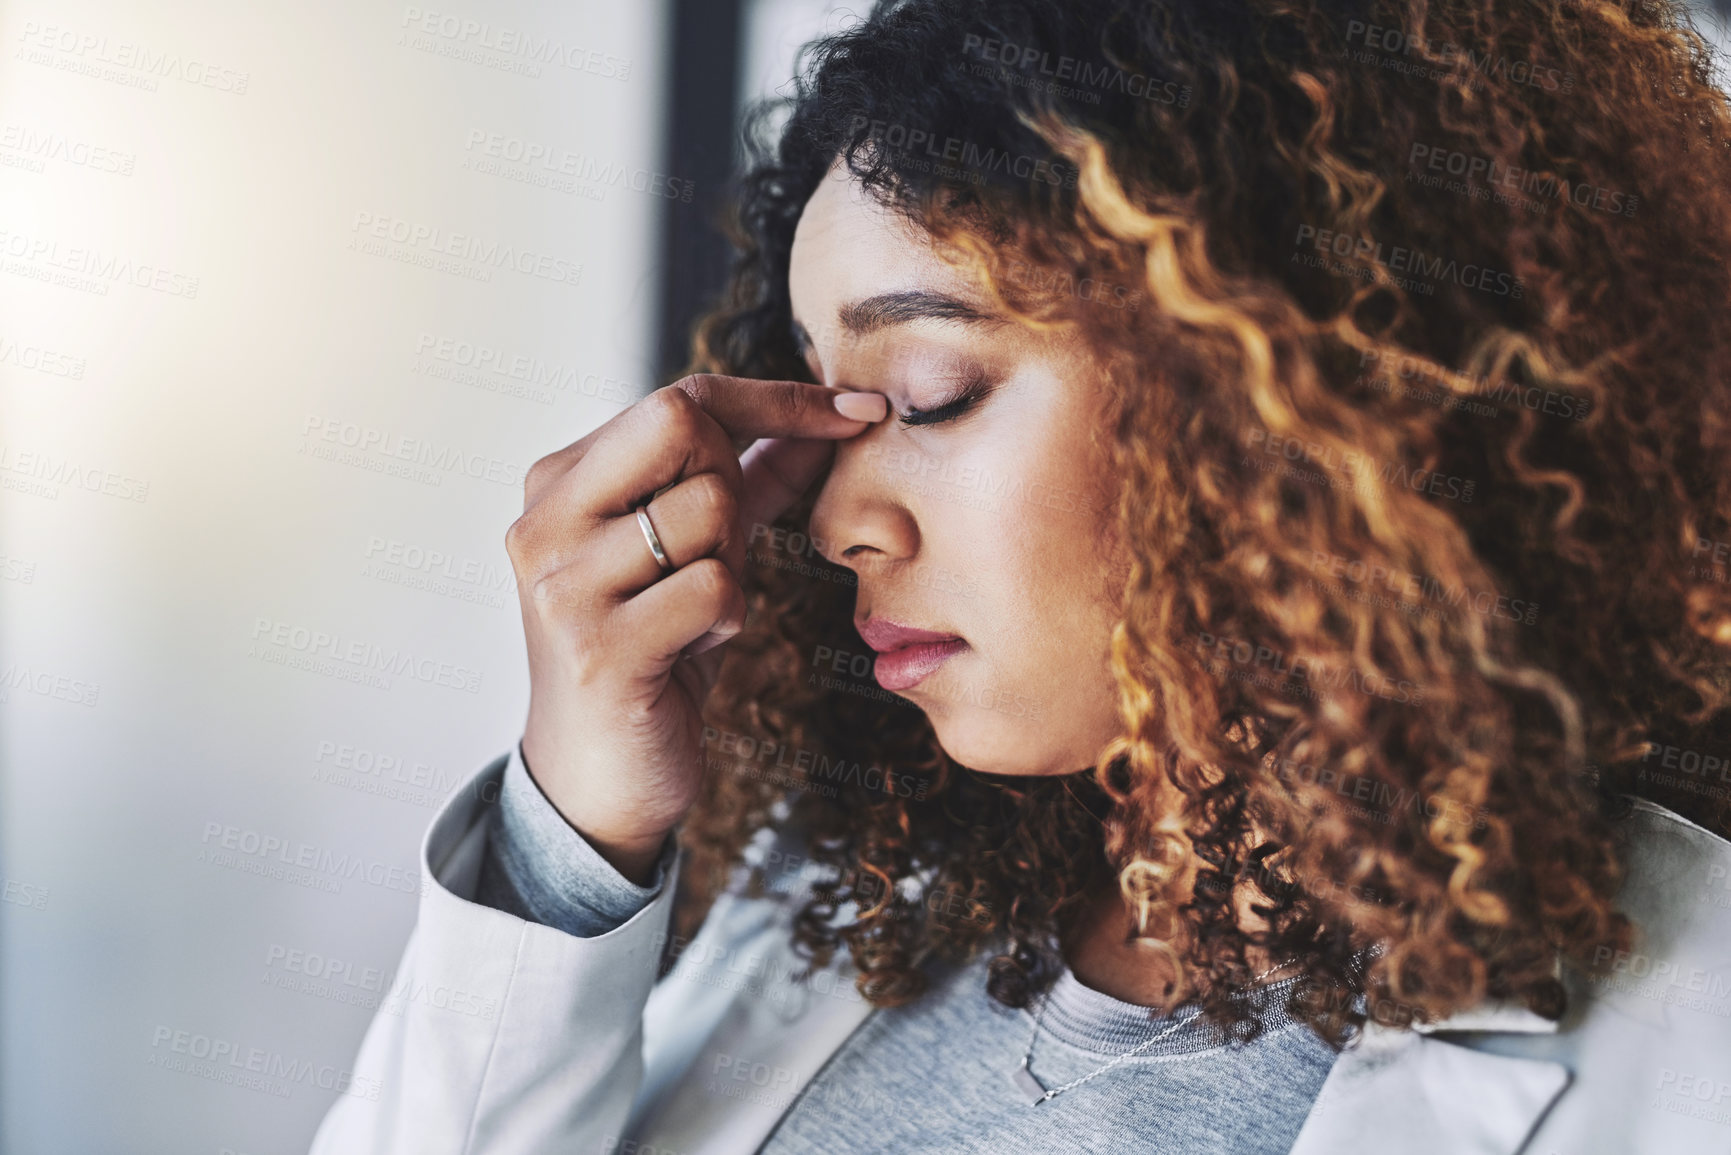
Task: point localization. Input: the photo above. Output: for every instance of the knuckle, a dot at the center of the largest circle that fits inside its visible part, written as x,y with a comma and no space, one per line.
711,583
561,600
672,410
697,388
538,475
713,498
542,593
669,404
519,543
735,607
795,402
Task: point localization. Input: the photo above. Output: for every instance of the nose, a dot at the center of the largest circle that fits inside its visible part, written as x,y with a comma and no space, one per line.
858,516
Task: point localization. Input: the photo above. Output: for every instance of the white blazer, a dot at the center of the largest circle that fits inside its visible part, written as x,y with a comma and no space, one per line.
504,1037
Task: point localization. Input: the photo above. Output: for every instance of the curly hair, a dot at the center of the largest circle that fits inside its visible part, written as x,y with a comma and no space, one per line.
1412,323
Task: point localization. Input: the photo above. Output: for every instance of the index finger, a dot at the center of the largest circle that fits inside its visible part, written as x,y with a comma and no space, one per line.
749,409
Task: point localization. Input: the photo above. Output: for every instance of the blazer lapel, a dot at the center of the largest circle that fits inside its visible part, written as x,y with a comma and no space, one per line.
1403,1090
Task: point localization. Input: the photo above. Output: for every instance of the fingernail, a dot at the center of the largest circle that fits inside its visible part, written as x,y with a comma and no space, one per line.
707,642
862,406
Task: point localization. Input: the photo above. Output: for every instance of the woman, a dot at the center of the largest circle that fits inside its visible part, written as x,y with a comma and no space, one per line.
1229,530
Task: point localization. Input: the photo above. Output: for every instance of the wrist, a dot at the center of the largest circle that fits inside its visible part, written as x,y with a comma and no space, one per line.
633,853
633,858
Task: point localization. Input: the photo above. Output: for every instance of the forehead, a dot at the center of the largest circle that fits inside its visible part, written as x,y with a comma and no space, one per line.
847,247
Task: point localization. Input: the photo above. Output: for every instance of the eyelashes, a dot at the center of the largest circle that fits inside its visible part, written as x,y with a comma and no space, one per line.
975,387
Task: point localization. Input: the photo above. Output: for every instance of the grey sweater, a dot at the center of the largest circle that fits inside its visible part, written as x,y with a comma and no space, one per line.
934,1076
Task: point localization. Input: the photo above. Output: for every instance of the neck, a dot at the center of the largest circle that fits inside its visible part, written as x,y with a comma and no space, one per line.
1103,951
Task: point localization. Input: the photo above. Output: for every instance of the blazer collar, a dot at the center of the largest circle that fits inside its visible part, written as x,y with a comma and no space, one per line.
1406,1091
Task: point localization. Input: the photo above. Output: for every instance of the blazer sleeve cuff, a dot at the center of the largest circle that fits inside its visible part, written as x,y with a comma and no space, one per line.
538,867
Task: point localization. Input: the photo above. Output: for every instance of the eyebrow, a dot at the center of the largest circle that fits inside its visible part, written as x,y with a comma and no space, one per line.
871,314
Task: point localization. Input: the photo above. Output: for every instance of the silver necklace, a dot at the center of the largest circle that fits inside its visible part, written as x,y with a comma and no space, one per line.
1028,1084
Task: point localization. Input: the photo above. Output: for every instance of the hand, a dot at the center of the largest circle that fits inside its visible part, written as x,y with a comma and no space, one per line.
622,653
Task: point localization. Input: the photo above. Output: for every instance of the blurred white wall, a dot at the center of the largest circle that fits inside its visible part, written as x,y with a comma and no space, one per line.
775,30
290,296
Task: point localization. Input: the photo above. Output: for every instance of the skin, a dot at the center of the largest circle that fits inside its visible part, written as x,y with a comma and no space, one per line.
1032,693
994,527
622,655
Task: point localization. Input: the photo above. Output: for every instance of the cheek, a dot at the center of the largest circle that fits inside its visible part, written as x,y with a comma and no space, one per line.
1059,542
1047,598
1023,521
1057,571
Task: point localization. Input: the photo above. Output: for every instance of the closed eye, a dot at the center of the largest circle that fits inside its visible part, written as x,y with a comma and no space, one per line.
974,390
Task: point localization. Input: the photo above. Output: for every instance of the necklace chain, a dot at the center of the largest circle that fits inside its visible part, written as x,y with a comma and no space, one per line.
1024,1074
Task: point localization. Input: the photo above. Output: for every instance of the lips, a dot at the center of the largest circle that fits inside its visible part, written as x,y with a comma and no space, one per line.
906,656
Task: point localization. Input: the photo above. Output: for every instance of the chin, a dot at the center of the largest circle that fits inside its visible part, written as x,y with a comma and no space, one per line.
994,743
